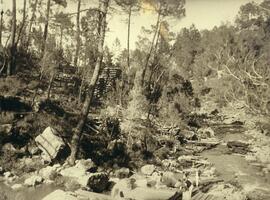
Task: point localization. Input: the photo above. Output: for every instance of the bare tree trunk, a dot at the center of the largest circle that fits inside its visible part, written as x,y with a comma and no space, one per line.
81,87
151,47
128,55
78,33
23,23
1,26
61,37
12,62
80,91
89,97
155,62
50,86
31,24
45,33
128,39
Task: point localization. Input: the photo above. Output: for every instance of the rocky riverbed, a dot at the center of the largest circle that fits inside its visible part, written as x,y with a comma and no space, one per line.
212,165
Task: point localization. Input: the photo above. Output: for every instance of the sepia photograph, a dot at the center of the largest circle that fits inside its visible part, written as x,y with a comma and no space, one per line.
134,99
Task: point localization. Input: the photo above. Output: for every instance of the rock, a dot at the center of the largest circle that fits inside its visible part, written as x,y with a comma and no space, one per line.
27,161
1,170
251,158
72,185
50,144
171,179
122,173
11,179
162,153
48,173
98,182
60,195
258,194
9,147
210,172
16,186
206,132
8,175
170,164
189,135
34,150
124,185
148,169
79,175
232,144
5,129
237,123
186,161
78,172
86,165
33,181
48,182
238,147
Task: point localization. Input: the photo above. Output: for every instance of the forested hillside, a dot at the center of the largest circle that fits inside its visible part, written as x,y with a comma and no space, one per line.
162,120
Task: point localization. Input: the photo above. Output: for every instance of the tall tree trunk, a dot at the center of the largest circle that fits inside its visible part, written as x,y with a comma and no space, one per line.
155,62
151,47
128,38
61,37
50,86
23,23
45,33
1,26
78,33
89,97
29,35
12,61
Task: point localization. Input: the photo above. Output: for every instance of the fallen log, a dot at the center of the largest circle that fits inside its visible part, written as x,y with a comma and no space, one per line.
207,143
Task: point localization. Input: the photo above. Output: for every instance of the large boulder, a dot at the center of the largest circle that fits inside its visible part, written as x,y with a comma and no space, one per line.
79,175
79,172
98,182
50,144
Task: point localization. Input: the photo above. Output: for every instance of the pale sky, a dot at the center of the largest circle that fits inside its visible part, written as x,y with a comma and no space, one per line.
205,14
